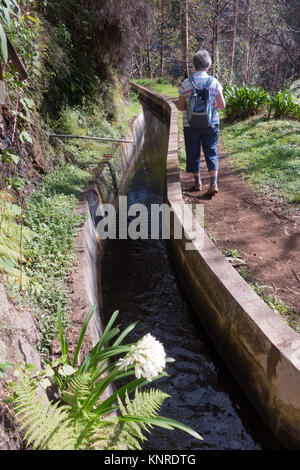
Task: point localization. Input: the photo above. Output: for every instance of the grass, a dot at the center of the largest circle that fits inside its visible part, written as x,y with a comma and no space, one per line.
159,85
276,304
267,153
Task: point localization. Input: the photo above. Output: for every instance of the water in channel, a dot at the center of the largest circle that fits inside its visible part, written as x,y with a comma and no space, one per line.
139,280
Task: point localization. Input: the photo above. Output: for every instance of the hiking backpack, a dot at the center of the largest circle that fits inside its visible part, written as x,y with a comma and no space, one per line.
199,110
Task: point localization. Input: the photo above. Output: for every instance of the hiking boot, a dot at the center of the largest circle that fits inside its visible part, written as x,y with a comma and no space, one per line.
212,190
196,187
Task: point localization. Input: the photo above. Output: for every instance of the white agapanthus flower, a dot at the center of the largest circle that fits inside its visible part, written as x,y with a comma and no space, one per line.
148,357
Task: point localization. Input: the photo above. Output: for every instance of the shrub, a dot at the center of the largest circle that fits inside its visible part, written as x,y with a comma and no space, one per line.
244,102
282,104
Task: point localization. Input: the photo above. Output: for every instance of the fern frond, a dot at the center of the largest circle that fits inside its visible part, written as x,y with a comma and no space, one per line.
84,423
48,426
104,433
77,392
114,434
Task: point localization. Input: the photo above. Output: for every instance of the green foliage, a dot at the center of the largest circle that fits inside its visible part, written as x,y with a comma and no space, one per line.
50,214
10,241
118,433
79,419
46,424
282,104
234,253
241,103
3,367
244,102
267,154
160,85
278,306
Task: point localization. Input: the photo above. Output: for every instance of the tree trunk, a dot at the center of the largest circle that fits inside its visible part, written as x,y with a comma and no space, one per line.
149,72
215,32
245,67
185,38
233,35
162,38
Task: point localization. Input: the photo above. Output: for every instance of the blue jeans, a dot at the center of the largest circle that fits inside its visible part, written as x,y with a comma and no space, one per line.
193,138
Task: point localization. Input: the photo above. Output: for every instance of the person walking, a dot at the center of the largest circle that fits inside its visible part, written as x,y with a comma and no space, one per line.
194,136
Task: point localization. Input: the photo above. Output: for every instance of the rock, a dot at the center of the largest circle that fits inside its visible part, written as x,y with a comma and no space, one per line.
19,335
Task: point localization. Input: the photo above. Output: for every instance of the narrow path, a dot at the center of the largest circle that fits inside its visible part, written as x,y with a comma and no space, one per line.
268,241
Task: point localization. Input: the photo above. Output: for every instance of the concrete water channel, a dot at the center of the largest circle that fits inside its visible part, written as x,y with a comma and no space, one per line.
138,278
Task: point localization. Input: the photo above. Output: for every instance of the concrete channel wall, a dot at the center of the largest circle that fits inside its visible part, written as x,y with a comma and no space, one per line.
260,349
112,176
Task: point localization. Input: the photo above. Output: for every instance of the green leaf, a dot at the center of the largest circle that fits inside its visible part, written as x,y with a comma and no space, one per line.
6,156
125,333
66,370
14,157
45,383
27,103
25,137
5,365
107,329
7,265
3,44
18,183
8,182
49,372
82,333
162,422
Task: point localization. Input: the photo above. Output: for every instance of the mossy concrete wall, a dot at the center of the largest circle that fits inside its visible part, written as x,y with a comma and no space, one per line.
261,350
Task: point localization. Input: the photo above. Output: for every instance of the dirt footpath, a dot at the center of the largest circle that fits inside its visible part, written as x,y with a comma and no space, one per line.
264,231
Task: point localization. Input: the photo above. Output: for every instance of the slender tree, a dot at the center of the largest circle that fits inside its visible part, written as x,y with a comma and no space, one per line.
162,37
233,35
185,37
215,30
246,43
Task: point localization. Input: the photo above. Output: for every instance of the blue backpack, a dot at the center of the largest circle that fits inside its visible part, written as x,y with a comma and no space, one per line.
199,110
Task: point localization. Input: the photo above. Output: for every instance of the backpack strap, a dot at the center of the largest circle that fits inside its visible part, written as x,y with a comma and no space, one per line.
209,81
207,84
191,79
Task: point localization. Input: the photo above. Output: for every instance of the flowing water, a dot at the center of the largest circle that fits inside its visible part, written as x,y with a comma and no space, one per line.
139,280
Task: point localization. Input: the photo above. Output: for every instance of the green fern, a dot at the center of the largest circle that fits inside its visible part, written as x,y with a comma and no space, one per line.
77,393
48,427
113,433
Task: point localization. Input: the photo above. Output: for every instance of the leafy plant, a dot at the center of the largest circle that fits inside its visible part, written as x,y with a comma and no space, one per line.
282,104
3,367
234,253
80,418
243,102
